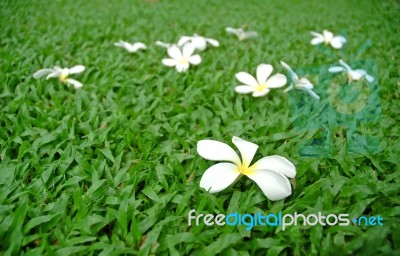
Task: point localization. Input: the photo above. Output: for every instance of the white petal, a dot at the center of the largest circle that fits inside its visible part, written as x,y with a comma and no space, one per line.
213,42
317,40
304,83
327,35
42,72
369,78
247,79
276,164
289,88
138,45
199,43
76,69
336,42
188,50
317,34
75,83
195,59
233,31
217,151
336,69
262,93
275,186
169,62
244,89
219,176
342,39
55,74
312,94
182,67
249,34
290,70
276,81
355,75
345,65
174,52
162,44
184,39
247,149
263,72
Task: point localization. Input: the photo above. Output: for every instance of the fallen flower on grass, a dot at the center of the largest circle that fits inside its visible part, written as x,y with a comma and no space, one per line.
199,42
240,33
62,74
131,47
270,173
262,85
351,74
181,59
299,83
327,37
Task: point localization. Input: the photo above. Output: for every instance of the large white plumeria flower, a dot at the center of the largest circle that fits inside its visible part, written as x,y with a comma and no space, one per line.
270,173
262,85
351,74
240,33
62,74
299,83
131,47
327,37
199,42
181,59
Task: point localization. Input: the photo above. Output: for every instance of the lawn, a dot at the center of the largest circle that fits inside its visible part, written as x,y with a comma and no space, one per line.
112,168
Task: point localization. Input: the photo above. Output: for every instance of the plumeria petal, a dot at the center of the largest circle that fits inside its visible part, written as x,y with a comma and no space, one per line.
345,65
262,93
355,75
199,43
247,79
263,72
276,81
76,69
336,42
169,62
317,40
275,186
75,83
212,41
290,70
138,46
327,35
187,50
233,31
312,94
182,67
305,83
369,78
317,34
247,149
336,69
42,72
174,52
244,89
277,164
54,74
217,151
183,40
195,59
249,34
219,176
162,44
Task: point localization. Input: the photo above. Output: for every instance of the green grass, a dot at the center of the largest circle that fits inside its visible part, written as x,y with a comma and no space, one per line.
112,169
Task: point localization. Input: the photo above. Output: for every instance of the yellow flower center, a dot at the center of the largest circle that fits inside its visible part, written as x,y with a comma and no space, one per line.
245,169
63,77
183,61
261,87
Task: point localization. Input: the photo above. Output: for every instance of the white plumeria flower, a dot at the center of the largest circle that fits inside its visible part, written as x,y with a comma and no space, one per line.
351,74
299,83
240,33
199,42
181,59
131,47
270,173
327,37
262,85
62,74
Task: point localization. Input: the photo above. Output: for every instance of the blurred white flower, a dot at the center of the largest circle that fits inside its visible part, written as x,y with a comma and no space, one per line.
270,173
62,74
299,83
327,37
181,59
199,42
240,33
262,85
351,74
131,47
